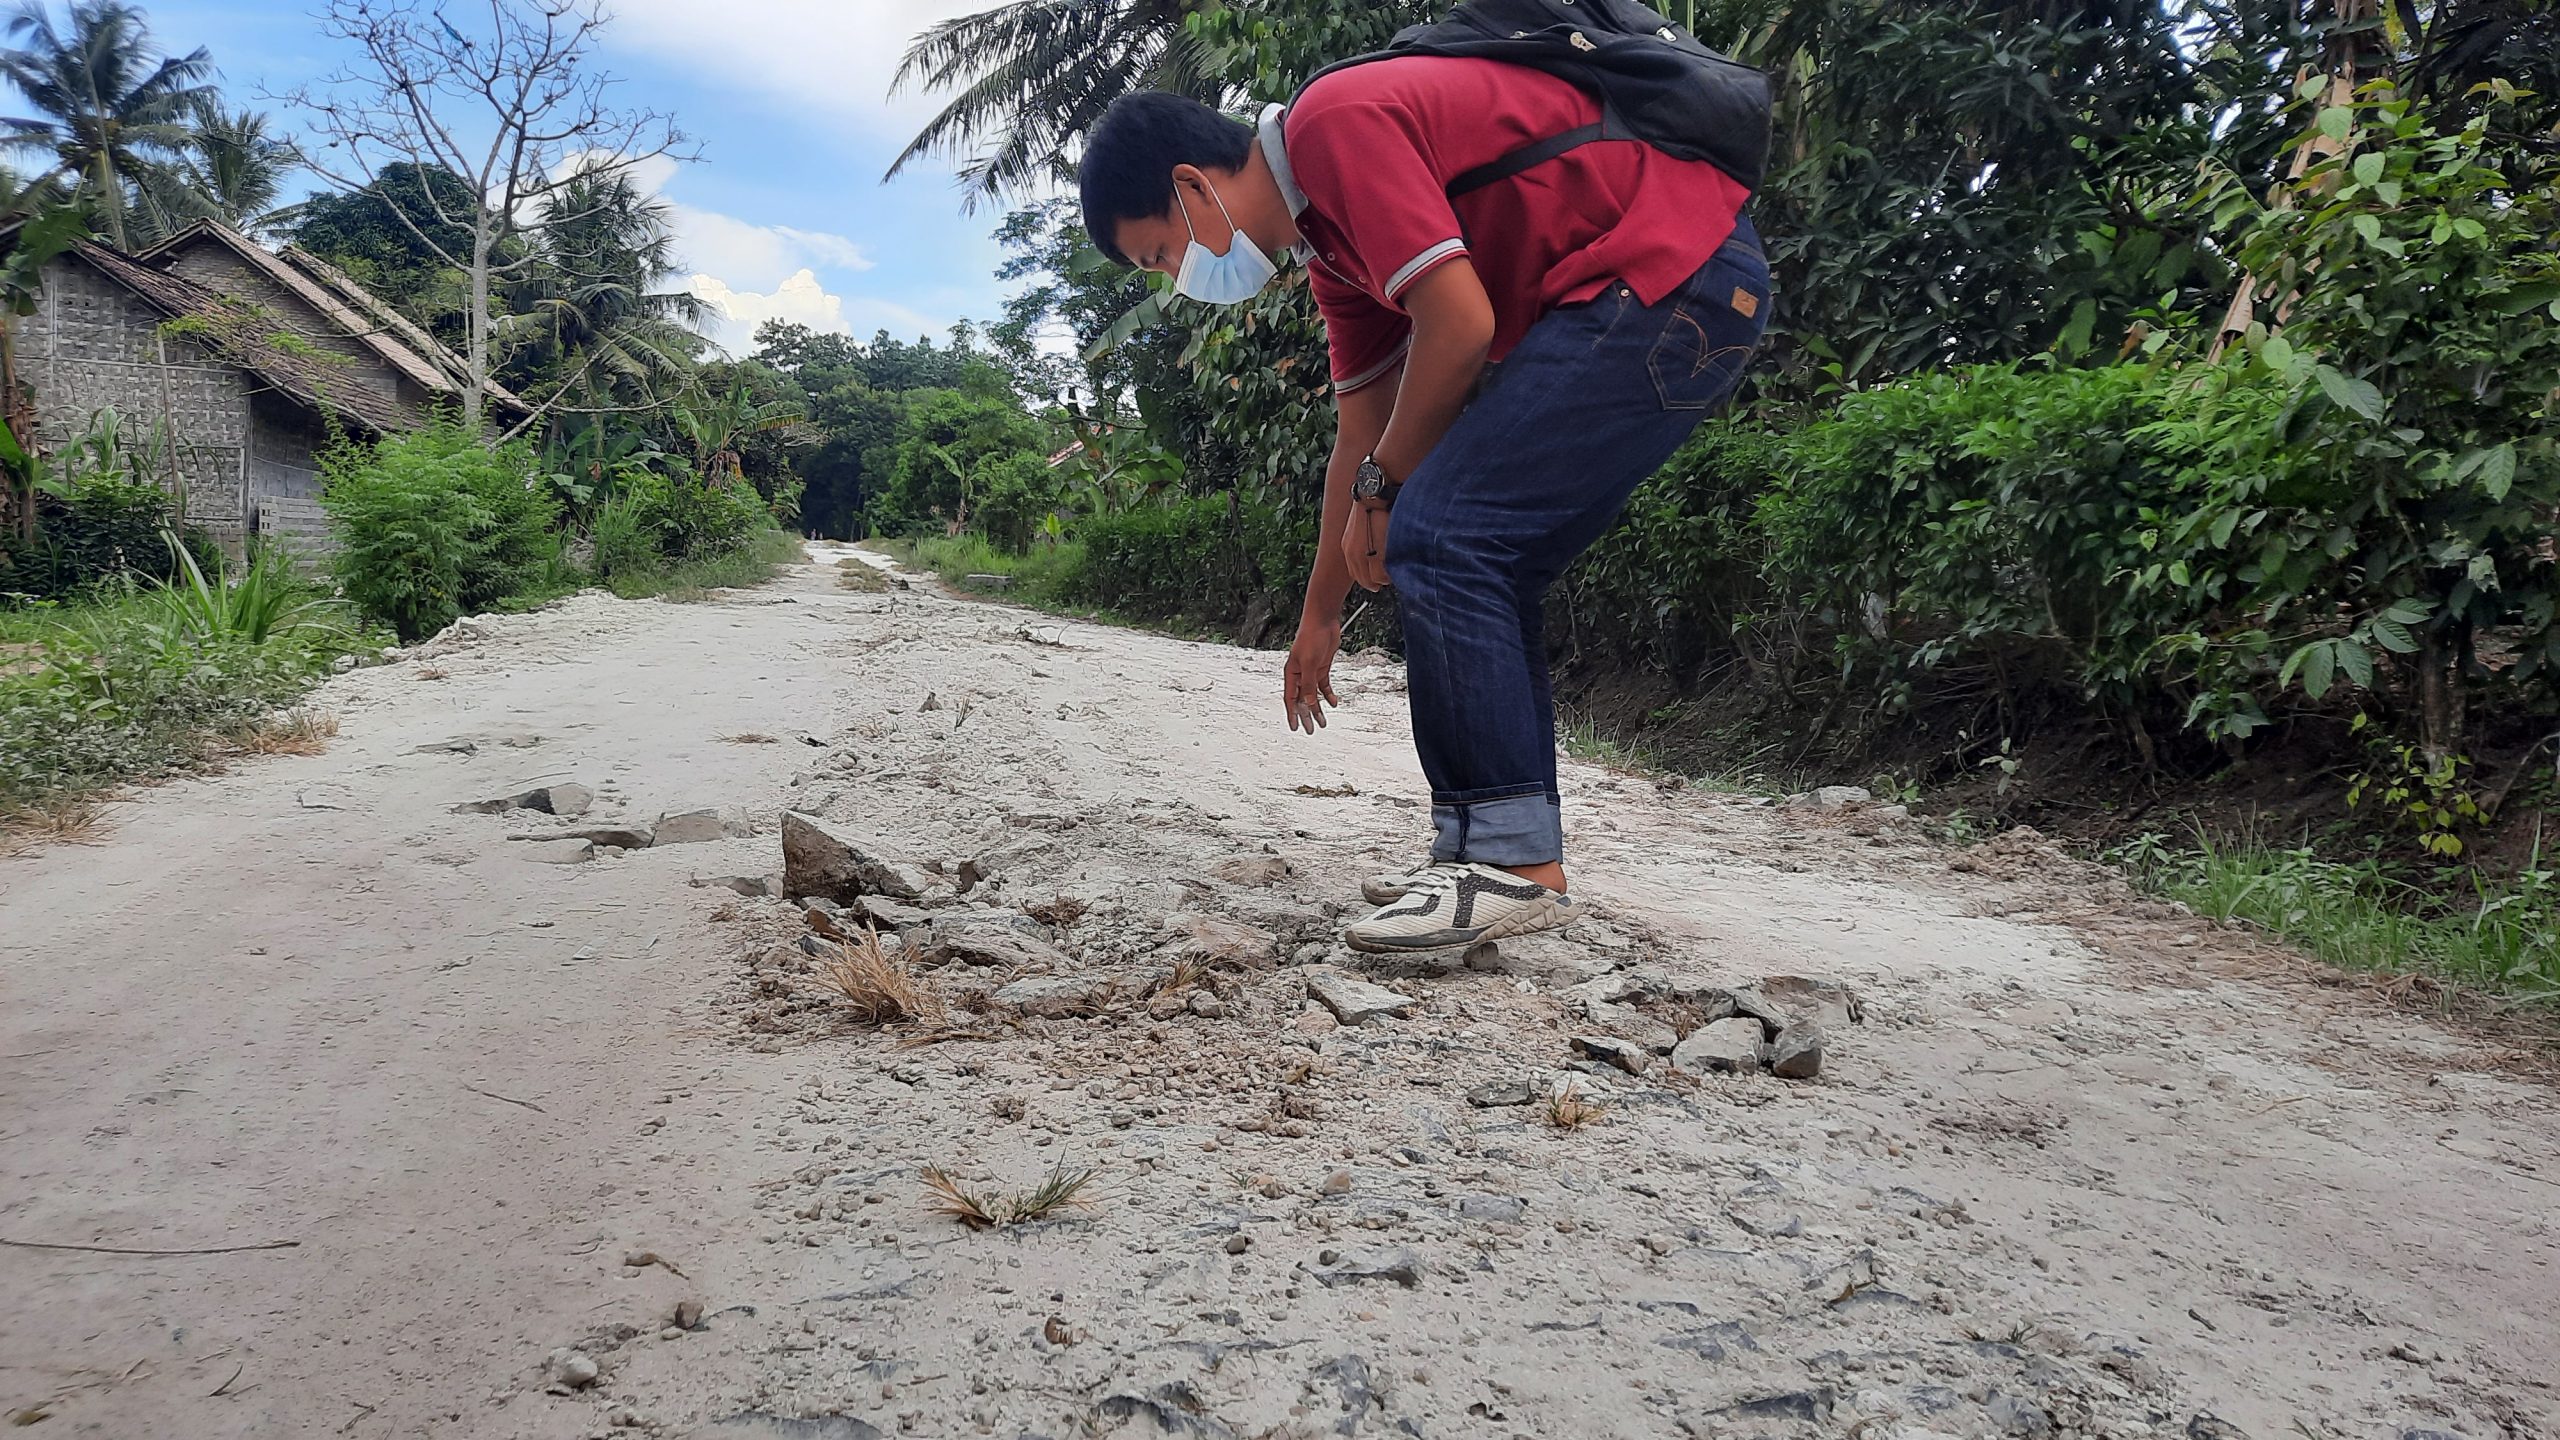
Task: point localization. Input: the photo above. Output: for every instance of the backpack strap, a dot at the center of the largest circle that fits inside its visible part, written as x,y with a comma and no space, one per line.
1526,157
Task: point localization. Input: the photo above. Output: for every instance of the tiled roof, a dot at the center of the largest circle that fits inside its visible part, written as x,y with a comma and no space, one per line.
242,335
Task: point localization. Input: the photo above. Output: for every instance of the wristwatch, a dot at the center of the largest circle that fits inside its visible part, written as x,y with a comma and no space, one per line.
1372,483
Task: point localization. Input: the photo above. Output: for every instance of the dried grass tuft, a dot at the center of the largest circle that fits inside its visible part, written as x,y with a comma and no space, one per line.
53,822
852,574
1189,973
432,672
749,737
1059,914
877,988
988,1210
295,732
1008,1107
1568,1110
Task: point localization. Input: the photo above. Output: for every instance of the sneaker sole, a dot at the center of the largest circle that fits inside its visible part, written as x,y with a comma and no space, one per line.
1545,915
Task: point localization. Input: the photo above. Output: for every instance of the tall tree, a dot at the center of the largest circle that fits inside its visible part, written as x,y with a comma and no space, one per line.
1033,74
363,233
112,111
233,170
518,111
594,325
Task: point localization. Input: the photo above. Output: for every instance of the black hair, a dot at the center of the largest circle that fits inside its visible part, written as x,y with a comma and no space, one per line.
1127,171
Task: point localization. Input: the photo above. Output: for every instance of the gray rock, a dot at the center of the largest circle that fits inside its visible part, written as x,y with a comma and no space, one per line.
1747,1000
1725,1047
1615,988
1821,1002
2208,1426
819,858
1215,941
342,665
1633,1026
890,914
621,837
984,941
560,852
1254,872
688,1314
1763,1209
1508,1209
695,827
1056,997
1352,1000
573,1368
754,887
1483,955
565,800
1207,1006
1798,1053
2017,1416
1501,1094
1360,1267
1829,797
1610,1050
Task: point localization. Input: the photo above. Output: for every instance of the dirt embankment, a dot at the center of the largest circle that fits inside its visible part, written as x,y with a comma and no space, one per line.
564,1135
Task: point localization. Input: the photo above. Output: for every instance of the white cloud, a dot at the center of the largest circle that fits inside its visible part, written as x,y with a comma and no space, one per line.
757,257
803,300
834,57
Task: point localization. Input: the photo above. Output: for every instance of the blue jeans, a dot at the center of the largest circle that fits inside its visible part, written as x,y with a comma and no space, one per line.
1589,405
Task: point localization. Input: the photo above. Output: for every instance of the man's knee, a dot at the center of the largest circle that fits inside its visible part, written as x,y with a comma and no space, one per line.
1422,553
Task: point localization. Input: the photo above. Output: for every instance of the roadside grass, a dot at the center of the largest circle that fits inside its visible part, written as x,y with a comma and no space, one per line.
142,680
989,1209
691,581
1583,740
1034,577
2502,938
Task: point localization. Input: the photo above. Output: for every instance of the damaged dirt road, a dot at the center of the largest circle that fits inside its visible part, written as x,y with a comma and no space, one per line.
510,1136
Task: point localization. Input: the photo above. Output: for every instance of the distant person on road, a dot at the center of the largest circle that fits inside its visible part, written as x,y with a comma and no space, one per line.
1519,335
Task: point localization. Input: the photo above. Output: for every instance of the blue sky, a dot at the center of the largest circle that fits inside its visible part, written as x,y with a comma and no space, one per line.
784,216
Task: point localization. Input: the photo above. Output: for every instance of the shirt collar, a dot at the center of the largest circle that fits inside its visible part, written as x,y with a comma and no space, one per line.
1275,153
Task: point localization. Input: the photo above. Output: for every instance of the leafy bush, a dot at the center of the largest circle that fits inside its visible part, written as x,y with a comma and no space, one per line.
654,518
89,529
434,525
148,679
1202,560
1016,495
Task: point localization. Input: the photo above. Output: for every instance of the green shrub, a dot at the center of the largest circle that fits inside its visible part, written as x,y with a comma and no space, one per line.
92,528
1204,560
1015,495
433,525
654,518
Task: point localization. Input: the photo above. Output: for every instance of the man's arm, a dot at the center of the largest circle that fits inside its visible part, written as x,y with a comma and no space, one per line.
1359,421
1452,334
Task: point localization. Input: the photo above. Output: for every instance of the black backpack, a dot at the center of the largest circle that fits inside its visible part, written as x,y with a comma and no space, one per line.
1654,81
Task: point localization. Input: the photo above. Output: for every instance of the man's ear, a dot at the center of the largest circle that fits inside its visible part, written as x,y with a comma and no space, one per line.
1191,182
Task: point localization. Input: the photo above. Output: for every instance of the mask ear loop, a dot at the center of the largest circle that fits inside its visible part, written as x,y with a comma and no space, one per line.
1235,232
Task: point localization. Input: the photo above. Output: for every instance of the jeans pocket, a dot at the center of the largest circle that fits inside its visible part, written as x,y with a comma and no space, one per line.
1700,354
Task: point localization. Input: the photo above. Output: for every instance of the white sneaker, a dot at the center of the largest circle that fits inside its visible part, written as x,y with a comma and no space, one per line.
1389,888
1447,906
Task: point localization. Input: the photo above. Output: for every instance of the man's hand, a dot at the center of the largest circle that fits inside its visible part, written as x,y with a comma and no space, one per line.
1364,544
1307,683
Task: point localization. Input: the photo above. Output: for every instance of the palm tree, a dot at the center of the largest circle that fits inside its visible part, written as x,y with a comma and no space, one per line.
233,171
111,110
1033,74
594,315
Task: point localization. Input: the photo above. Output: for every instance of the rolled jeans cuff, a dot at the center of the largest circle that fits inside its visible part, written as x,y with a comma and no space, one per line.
1513,830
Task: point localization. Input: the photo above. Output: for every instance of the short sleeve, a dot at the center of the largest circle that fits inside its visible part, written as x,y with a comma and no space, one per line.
1363,165
1363,338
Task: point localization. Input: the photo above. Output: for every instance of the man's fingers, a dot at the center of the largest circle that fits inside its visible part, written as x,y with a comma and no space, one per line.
1326,685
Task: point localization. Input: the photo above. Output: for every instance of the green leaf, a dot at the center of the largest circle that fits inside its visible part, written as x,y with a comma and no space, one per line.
2348,392
2336,121
2498,471
2368,167
2409,611
2074,340
2483,572
2319,669
2526,297
2278,353
2393,636
2369,227
2355,660
2224,524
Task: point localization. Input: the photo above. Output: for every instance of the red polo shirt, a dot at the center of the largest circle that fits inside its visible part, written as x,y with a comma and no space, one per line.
1370,150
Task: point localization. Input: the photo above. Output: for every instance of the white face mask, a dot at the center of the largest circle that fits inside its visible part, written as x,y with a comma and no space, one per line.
1227,279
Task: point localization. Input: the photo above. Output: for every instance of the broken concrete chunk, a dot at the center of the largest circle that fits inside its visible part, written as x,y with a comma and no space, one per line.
573,1368
1352,1000
566,800
1798,1055
1363,1266
1508,1209
560,852
1725,1047
1214,941
1633,1026
819,858
983,941
1817,1002
1829,797
754,887
1058,997
695,827
1501,1094
1251,871
1610,1050
888,914
621,837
